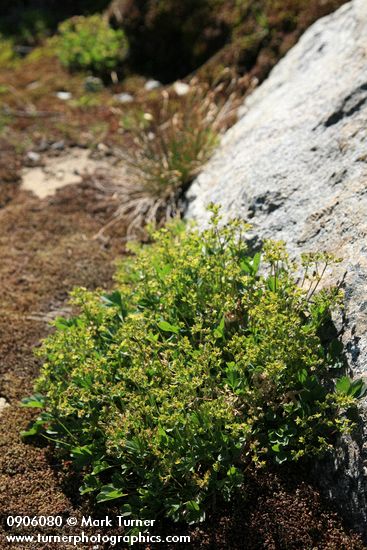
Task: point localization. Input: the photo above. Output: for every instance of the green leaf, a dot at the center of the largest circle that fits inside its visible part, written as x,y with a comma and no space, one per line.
83,456
192,505
251,267
36,401
162,269
35,429
358,389
343,385
246,266
135,446
61,323
109,492
233,378
272,284
219,330
302,376
91,484
167,327
346,386
281,457
101,466
193,512
125,510
256,263
115,300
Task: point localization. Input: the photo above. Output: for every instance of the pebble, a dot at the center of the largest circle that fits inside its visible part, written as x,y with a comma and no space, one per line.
33,156
64,96
124,98
58,145
152,85
181,88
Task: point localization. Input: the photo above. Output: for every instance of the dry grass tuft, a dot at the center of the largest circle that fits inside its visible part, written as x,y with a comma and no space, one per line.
170,142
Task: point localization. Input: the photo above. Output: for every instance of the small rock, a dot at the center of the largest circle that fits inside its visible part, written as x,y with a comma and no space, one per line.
33,156
58,145
124,98
102,147
93,84
181,88
44,145
3,404
152,85
64,96
34,85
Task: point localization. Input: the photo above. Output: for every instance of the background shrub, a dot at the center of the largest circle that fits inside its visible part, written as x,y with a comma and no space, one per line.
197,365
30,21
89,43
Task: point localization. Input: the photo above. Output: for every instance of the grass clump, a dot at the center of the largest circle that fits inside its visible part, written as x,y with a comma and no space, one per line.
205,358
90,43
170,142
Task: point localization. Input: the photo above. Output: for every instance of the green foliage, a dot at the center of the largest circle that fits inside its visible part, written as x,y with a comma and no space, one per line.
89,43
205,358
29,22
7,53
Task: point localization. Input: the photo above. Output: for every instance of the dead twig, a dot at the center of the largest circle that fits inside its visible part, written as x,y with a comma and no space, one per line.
30,114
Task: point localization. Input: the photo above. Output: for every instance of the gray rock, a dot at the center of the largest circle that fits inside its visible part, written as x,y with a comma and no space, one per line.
33,156
64,96
58,145
93,84
124,97
152,85
295,165
181,88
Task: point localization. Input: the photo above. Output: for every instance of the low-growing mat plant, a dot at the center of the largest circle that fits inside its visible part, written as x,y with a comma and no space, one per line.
204,360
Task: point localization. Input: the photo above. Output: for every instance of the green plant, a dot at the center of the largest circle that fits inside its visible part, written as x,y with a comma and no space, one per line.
7,53
203,360
172,139
89,43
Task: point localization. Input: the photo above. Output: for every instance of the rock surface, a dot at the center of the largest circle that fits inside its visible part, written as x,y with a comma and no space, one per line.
295,165
3,404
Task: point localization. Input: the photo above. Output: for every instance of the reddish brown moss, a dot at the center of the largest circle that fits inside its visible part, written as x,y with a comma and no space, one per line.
171,38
